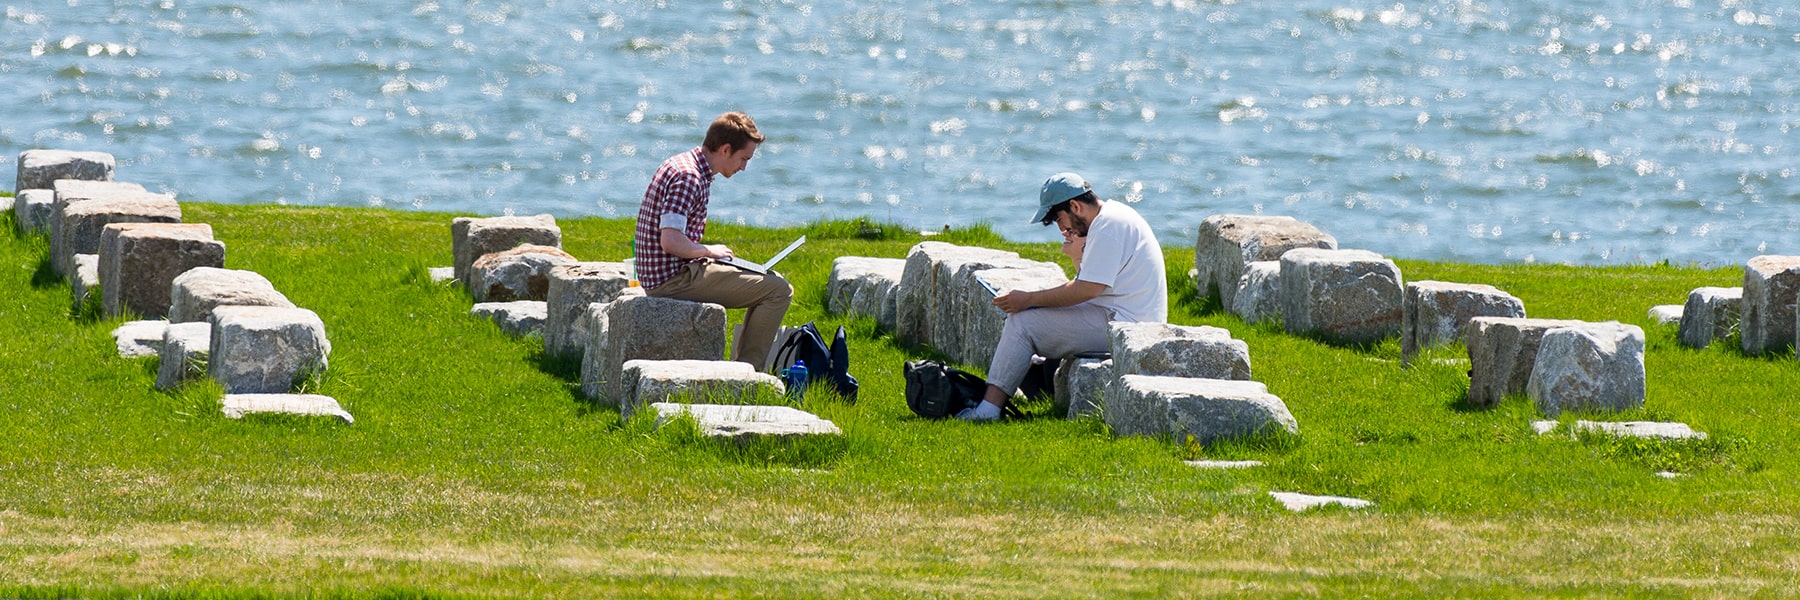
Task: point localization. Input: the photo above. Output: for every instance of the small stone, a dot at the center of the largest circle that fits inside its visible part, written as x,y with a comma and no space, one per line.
518,318
1224,464
1633,429
519,273
743,423
138,339
1666,314
1303,502
1669,474
473,238
40,169
237,406
184,352
195,293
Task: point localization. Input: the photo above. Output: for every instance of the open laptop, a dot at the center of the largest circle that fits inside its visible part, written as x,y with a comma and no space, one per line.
763,268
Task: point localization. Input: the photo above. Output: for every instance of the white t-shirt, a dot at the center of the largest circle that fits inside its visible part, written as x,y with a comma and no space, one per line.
1123,255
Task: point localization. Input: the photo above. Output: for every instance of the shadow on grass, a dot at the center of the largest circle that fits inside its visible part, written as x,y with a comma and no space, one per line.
44,276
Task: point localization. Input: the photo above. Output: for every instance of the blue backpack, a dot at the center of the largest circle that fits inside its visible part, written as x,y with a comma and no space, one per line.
825,365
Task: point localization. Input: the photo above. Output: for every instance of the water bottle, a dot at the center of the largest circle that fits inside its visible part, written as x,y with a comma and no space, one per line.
796,379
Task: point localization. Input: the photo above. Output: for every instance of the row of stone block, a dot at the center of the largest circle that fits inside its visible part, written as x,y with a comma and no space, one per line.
527,248
247,349
1560,364
865,286
941,301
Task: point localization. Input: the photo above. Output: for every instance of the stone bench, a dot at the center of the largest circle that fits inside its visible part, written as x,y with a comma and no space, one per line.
1711,313
571,289
1164,350
635,327
82,222
518,318
195,293
975,327
39,169
473,238
746,423
1502,351
1435,312
139,262
31,210
646,382
1258,294
1227,243
1770,286
184,352
266,349
939,304
1590,366
238,406
1345,296
518,273
865,286
1209,410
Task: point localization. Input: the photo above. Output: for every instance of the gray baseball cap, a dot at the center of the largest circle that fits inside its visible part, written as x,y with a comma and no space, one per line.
1058,189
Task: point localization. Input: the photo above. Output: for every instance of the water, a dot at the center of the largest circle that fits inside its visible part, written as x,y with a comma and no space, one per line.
1579,131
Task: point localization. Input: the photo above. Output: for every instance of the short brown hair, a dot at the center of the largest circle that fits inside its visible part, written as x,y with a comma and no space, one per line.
733,129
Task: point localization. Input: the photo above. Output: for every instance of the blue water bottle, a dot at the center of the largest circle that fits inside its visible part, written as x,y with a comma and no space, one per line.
796,379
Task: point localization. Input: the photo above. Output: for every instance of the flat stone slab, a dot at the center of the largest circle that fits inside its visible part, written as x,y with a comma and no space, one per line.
185,347
656,381
237,406
195,293
1226,243
1298,502
40,168
1666,314
1352,296
1224,464
441,274
1636,429
747,422
518,318
138,339
1711,314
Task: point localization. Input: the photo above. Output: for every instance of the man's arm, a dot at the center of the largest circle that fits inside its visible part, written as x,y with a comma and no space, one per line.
677,243
1068,294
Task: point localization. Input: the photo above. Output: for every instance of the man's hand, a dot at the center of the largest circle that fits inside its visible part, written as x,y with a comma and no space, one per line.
718,251
1073,245
1013,301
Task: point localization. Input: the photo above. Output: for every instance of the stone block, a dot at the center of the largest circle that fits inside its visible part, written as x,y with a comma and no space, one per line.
1591,366
975,325
518,318
194,294
1653,430
641,327
138,339
85,281
1770,286
31,210
520,273
1227,243
441,274
183,355
66,192
1258,294
83,221
266,349
1435,312
861,285
140,261
1209,410
1665,314
1347,296
1081,385
571,289
1164,350
238,406
473,238
746,423
1711,313
1502,351
922,303
646,382
39,169
1298,502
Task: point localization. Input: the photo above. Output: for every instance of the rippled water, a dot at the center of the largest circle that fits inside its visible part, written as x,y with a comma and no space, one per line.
1585,131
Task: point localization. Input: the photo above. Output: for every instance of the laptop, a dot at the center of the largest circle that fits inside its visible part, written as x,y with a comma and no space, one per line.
763,268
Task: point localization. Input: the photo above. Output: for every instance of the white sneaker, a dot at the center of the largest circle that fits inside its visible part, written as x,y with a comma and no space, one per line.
980,413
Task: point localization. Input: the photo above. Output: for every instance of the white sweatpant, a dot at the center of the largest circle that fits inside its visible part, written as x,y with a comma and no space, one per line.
1058,332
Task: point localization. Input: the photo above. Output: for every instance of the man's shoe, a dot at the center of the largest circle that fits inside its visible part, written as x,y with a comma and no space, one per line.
980,413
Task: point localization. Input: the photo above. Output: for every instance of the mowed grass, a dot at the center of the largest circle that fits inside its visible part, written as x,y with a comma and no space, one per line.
476,469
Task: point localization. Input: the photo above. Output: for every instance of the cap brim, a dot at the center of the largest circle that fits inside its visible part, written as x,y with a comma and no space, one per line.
1041,212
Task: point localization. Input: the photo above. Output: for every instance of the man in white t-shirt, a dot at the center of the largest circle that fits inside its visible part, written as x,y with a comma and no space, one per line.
1119,277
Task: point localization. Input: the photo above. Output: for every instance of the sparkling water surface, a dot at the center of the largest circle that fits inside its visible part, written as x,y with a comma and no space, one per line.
1579,131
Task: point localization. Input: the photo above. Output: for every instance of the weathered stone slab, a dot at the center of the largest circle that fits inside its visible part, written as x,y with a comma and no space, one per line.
641,327
39,169
31,210
1351,296
266,349
473,238
1711,313
86,279
1770,287
1666,314
1258,294
441,274
238,406
183,354
82,222
1081,385
139,263
1229,242
1592,366
1435,312
520,273
1298,502
518,318
976,328
1223,464
571,289
1636,429
921,303
138,339
1161,349
195,293
1502,351
1207,409
647,382
865,286
744,423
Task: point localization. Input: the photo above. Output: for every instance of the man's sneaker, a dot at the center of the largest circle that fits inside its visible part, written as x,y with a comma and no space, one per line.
980,413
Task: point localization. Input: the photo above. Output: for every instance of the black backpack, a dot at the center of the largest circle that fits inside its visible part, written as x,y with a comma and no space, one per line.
935,390
828,364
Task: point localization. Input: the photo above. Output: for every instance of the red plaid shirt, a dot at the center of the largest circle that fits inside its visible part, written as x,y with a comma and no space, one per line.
682,186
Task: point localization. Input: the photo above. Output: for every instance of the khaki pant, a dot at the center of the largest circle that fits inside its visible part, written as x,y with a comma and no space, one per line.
766,296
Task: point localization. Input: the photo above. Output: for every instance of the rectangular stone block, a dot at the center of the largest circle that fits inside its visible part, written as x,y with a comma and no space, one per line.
1258,295
183,355
572,288
1711,313
1588,367
86,280
1081,385
1435,312
39,169
31,211
641,327
1770,287
925,306
978,321
1502,351
472,238
70,191
266,349
1209,410
140,261
865,286
195,293
646,382
1161,349
1229,242
1344,296
518,318
83,221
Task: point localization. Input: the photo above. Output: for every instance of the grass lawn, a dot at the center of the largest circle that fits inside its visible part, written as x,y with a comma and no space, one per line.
476,469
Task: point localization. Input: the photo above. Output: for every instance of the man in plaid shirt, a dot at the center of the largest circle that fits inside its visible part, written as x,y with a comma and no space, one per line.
672,263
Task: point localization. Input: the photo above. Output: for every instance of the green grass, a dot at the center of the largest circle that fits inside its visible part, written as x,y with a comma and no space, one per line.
476,469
